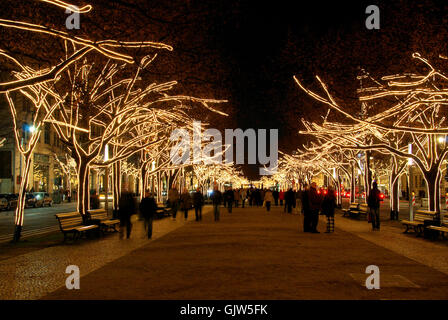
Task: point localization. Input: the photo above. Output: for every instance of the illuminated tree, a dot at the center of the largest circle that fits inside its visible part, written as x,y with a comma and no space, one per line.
407,120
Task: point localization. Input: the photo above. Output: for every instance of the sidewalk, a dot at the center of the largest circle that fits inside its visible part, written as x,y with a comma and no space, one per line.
252,254
37,273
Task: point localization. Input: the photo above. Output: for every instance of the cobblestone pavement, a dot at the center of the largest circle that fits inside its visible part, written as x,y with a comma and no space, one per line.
252,254
34,274
430,253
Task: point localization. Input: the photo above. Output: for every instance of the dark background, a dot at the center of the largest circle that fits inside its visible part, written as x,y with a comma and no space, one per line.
248,51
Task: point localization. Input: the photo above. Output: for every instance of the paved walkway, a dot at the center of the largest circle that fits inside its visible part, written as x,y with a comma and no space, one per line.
35,274
251,254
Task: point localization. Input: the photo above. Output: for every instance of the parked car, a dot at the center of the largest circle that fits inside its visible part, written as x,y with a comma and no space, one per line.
31,201
12,199
43,199
3,202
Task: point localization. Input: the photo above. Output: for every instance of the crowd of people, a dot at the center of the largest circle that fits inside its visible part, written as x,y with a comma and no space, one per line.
312,203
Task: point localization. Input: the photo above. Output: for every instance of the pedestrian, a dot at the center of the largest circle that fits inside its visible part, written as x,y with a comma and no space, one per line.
185,203
148,208
268,198
229,198
374,204
289,200
94,201
275,194
306,209
198,202
126,209
251,196
236,197
281,197
216,201
328,207
258,198
315,205
173,201
243,194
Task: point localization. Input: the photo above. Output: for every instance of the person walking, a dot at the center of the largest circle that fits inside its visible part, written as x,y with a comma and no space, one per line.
328,207
290,199
281,197
236,197
216,201
268,198
315,205
306,209
243,194
374,204
275,194
198,202
94,201
127,208
185,203
229,199
148,208
173,200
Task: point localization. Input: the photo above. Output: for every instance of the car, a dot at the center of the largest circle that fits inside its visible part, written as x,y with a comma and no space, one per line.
31,201
43,199
102,196
3,202
12,200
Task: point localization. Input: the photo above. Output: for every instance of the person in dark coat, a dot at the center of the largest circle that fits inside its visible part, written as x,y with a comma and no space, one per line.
290,199
328,206
306,209
198,202
127,208
229,198
148,208
216,200
374,204
185,203
94,201
315,205
275,194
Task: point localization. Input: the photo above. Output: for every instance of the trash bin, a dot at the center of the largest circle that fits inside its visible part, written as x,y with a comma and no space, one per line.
429,233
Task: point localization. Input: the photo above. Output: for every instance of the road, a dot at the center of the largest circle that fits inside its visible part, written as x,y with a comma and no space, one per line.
36,221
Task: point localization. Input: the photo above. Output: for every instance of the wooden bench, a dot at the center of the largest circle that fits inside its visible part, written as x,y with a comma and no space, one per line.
418,224
162,211
353,207
106,223
72,223
361,212
443,226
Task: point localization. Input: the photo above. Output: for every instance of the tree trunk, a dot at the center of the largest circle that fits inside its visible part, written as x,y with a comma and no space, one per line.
339,189
352,184
21,201
83,187
367,175
432,178
116,178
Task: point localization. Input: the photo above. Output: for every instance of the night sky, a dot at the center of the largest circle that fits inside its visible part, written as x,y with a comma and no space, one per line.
248,51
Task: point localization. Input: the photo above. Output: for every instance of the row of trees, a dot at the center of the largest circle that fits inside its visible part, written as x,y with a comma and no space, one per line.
100,108
402,121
